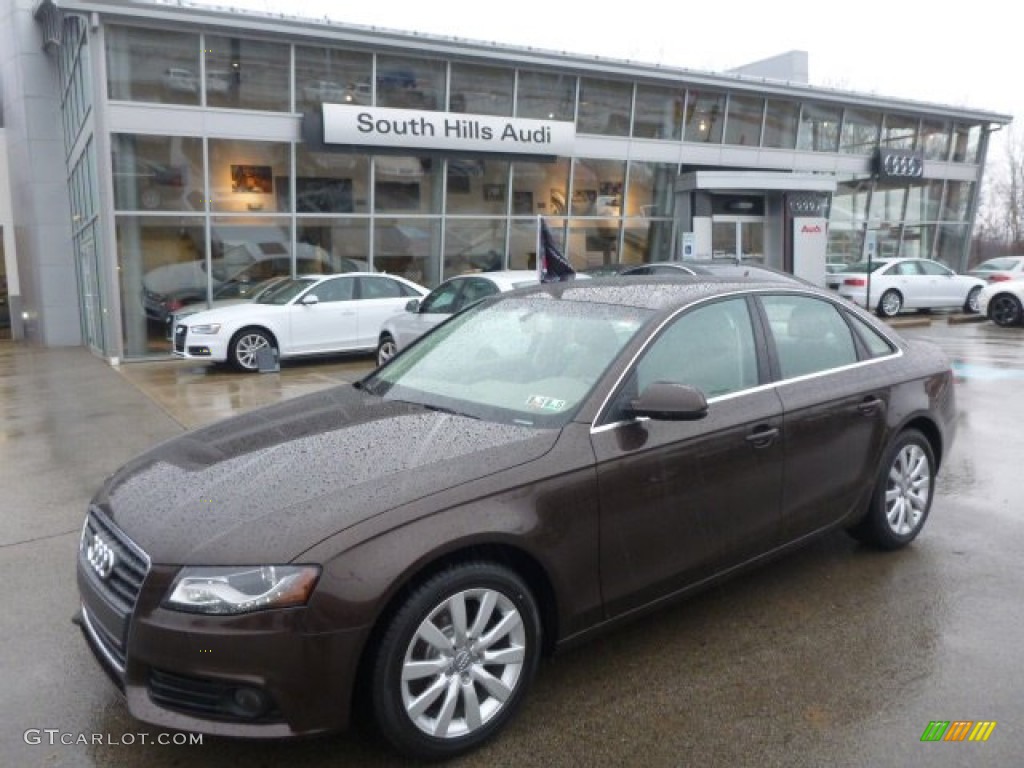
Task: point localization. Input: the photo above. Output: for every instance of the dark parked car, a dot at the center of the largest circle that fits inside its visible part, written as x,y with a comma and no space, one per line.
548,462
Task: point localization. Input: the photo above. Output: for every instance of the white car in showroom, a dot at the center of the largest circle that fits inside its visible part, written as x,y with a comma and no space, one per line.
1003,302
307,315
893,285
451,296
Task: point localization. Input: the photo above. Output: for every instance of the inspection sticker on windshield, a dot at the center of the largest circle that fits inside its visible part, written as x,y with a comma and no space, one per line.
545,403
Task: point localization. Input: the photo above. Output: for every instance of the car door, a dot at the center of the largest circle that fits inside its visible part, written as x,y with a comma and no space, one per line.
436,307
378,298
682,500
916,287
329,323
945,290
833,411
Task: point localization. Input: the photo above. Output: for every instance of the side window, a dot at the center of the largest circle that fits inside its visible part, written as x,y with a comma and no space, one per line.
379,288
711,348
876,343
334,290
441,300
810,335
934,268
907,268
474,289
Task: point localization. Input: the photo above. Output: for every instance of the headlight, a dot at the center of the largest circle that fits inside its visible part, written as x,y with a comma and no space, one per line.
241,589
205,330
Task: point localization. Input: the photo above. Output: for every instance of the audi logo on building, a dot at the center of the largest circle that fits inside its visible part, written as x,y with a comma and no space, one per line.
899,164
100,556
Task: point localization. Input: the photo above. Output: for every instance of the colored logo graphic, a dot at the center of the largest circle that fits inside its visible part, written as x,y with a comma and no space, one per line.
958,730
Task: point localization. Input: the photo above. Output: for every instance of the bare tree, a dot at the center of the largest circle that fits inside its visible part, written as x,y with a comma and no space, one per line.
1000,219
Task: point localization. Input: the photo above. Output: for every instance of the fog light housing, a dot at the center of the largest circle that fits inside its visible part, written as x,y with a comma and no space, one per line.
249,702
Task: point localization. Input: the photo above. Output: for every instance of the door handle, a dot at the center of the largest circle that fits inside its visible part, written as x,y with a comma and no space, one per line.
870,406
762,438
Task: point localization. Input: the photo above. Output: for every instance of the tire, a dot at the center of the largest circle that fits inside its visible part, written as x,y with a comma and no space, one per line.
243,347
903,494
971,304
386,349
1005,310
890,304
437,700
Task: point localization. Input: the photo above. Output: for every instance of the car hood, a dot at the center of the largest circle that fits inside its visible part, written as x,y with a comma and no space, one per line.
228,312
264,487
176,278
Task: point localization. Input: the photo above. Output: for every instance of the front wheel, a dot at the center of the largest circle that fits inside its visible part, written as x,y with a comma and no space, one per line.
890,304
245,347
386,349
903,494
455,661
971,304
1005,310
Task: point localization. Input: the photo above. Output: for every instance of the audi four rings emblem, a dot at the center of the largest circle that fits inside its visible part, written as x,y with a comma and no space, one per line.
100,556
905,165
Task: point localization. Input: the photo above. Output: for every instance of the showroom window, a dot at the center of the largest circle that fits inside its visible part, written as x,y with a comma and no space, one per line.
481,90
658,112
406,82
473,244
405,183
247,74
745,118
935,139
157,173
331,182
860,131
343,242
819,128
408,247
781,120
704,116
899,132
604,107
249,177
333,76
158,65
923,199
539,189
477,186
597,187
546,96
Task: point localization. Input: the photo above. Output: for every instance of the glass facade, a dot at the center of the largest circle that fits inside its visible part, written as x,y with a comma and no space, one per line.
195,214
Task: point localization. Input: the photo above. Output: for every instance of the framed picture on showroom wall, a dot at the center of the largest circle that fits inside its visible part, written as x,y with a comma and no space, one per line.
252,178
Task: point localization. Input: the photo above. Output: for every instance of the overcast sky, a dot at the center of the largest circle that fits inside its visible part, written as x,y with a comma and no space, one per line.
960,54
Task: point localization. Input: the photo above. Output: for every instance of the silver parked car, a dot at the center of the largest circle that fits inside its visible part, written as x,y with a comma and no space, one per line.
451,296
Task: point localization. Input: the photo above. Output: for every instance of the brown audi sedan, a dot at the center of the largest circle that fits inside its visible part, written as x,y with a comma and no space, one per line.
543,465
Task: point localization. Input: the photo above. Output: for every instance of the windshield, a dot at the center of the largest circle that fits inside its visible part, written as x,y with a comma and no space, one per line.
528,361
285,291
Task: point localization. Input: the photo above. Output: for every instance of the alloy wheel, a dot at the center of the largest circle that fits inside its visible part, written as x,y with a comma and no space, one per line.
908,490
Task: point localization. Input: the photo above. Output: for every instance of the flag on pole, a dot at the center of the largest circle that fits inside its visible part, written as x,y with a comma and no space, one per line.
552,266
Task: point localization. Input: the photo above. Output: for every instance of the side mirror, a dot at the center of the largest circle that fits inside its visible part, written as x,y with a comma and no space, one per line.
310,299
667,401
413,305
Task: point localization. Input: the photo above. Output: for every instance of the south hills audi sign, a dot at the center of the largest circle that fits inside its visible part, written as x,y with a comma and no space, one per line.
446,131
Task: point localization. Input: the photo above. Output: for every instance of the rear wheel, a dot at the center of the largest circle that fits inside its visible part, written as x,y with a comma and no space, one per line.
386,349
890,304
903,494
971,304
1005,310
245,347
455,660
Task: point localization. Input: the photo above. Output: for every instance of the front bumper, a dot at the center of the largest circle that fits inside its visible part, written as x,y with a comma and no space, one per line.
213,347
258,675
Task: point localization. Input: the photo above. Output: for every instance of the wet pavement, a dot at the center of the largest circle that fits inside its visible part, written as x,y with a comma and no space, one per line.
836,655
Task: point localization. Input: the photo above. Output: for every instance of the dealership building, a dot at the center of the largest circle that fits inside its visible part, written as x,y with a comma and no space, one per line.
157,153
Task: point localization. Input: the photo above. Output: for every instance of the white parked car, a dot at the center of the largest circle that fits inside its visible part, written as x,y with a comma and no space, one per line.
898,284
307,315
999,269
1002,302
451,296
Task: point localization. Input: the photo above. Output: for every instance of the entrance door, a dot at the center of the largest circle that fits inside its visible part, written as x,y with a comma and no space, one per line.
740,237
92,314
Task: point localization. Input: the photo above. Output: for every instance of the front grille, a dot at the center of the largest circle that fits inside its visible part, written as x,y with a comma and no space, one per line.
121,587
180,332
111,571
206,698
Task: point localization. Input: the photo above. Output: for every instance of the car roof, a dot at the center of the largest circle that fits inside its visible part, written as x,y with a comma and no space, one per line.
506,279
662,292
